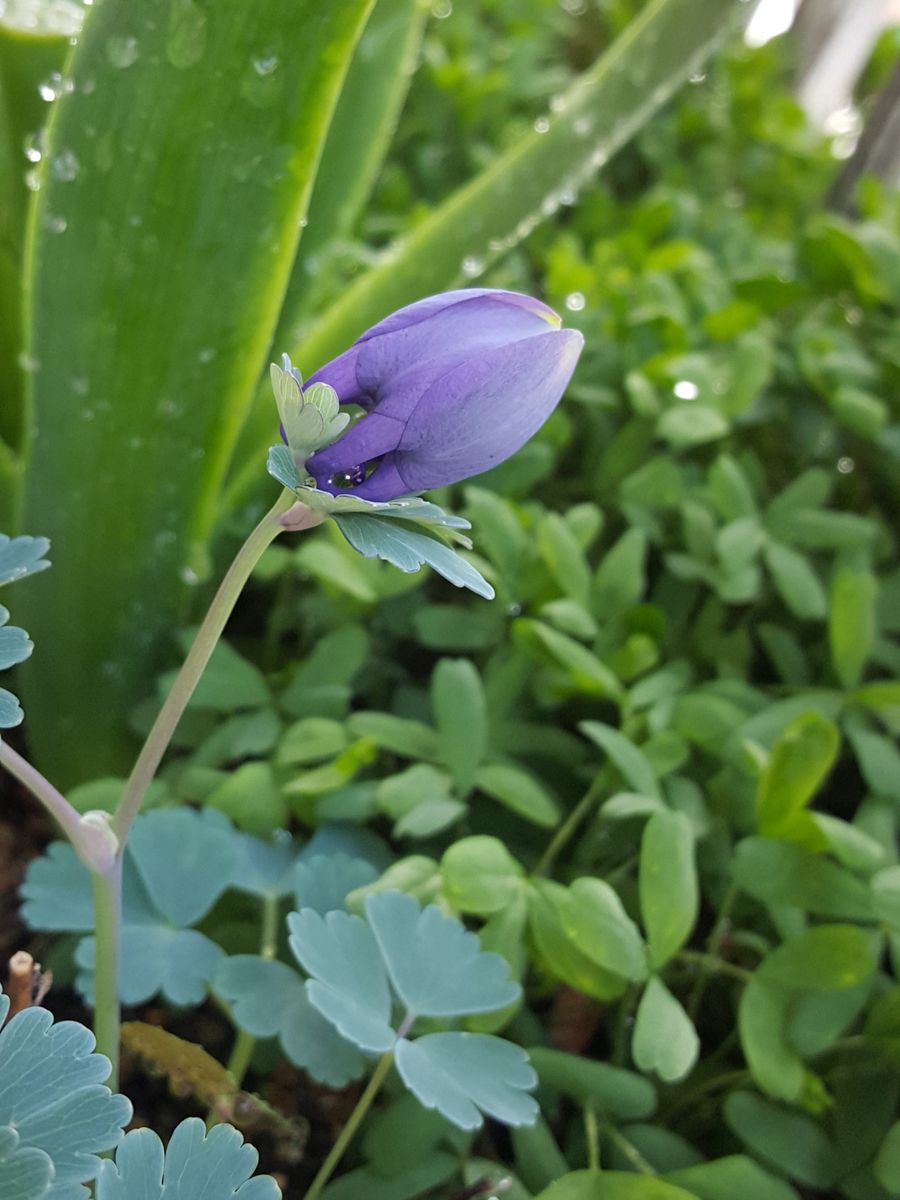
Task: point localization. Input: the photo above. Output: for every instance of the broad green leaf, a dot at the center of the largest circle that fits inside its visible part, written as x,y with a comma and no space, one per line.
668,884
487,216
796,582
762,1020
460,712
549,907
312,739
398,735
630,761
878,759
583,670
611,1089
823,958
886,895
620,579
251,798
457,630
195,1161
789,1141
563,557
538,1158
480,875
437,967
601,929
397,1136
797,765
364,119
612,1185
665,1040
728,1178
887,1162
461,1073
851,621
784,873
135,405
519,792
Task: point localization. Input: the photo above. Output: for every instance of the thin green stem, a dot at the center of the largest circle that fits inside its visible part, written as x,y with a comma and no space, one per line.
712,949
630,1151
107,921
591,1136
54,801
346,1135
714,965
568,828
208,634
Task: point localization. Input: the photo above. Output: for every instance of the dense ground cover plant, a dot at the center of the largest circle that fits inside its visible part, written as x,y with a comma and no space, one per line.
658,775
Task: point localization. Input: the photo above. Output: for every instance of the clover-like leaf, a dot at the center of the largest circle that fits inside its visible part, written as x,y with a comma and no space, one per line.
437,967
215,1165
349,984
26,1173
323,881
268,999
22,556
53,1098
461,1073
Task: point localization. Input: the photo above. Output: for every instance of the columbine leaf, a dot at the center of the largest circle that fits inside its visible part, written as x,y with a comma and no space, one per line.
185,859
22,556
263,868
281,466
436,966
268,999
15,644
323,881
25,1172
349,985
408,549
460,1073
215,1165
52,1095
10,710
156,958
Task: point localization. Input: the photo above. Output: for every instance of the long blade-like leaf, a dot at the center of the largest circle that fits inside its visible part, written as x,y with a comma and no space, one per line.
175,180
488,216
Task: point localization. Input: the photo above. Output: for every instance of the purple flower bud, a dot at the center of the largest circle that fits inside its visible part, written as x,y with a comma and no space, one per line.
451,386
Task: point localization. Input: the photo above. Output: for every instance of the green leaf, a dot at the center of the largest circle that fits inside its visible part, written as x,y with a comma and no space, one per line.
584,670
459,630
621,1093
887,1162
195,1160
250,796
461,1073
422,1177
886,895
519,792
878,759
631,762
549,917
229,682
611,1185
538,1158
460,712
791,1142
602,930
480,875
409,549
823,958
398,735
762,1021
668,884
851,622
783,873
796,582
129,391
692,425
728,1178
620,579
665,1040
563,557
797,765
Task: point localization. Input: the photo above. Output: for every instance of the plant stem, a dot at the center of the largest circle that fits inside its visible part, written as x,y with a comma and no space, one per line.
628,1148
54,801
568,827
346,1135
198,656
107,920
709,962
591,1137
712,950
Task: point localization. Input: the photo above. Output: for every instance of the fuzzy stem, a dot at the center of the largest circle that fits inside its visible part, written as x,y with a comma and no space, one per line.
346,1136
198,656
107,922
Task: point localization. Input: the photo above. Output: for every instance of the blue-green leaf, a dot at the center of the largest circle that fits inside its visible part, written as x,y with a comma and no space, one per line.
349,985
437,967
26,1173
409,549
52,1096
217,1165
11,713
323,881
22,556
461,1073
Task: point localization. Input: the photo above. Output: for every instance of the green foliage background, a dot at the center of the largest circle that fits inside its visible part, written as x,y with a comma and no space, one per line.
660,772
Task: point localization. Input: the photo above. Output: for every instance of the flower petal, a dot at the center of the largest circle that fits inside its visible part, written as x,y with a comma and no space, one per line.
485,409
371,437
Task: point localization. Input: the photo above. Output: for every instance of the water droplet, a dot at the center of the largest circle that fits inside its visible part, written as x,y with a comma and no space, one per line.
697,77
495,245
303,222
187,34
567,197
79,385
575,8
558,104
549,205
441,9
122,51
853,315
349,479
33,180
582,126
206,355
28,363
189,576
541,125
575,301
685,389
55,223
845,465
265,64
34,146
65,166
471,266
54,86
89,86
